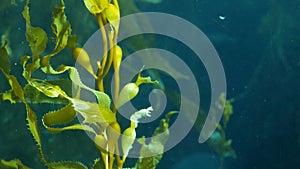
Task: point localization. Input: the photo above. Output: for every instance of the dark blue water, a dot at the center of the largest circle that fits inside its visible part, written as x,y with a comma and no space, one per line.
258,43
262,69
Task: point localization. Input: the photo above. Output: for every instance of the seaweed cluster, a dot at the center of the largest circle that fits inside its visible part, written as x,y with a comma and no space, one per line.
99,118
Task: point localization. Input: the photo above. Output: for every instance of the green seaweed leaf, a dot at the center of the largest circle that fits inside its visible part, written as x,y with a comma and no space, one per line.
48,89
31,116
33,127
103,98
72,39
156,145
37,39
112,14
96,6
35,36
63,38
15,86
9,95
93,112
12,164
60,27
4,60
34,96
98,164
63,116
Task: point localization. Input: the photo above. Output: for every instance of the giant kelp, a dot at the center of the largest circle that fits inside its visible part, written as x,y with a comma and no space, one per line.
100,114
99,117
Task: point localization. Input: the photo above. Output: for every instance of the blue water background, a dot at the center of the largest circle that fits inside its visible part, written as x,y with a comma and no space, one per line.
259,45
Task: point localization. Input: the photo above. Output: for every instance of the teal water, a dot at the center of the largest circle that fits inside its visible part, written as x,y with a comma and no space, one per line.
258,43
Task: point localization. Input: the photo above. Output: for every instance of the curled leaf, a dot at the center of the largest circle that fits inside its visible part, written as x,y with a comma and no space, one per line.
112,14
35,36
47,68
48,89
63,38
63,116
103,99
35,96
60,27
96,6
93,112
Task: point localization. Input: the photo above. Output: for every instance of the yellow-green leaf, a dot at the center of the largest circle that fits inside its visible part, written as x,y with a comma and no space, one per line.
31,67
71,127
12,164
82,57
47,68
16,87
228,111
34,96
130,90
149,162
35,36
32,123
60,27
9,95
4,60
14,84
33,127
103,99
62,30
156,146
112,14
96,6
72,39
48,89
143,80
61,116
12,80
93,112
